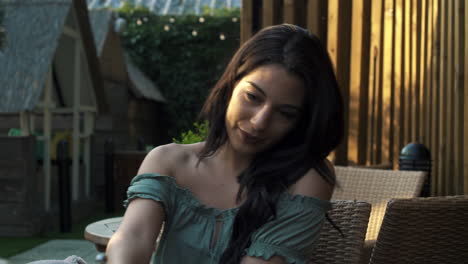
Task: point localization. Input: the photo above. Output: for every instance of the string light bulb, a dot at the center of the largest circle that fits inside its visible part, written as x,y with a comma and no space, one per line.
194,33
201,19
119,25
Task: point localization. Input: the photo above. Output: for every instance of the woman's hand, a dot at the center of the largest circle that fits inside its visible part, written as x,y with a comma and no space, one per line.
254,260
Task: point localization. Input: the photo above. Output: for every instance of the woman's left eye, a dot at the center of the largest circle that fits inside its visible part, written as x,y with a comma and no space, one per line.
288,115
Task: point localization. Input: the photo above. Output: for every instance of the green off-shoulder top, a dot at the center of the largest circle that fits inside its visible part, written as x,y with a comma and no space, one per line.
189,225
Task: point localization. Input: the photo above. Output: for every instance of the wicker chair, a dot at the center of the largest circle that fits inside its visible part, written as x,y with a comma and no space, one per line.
351,217
376,187
424,230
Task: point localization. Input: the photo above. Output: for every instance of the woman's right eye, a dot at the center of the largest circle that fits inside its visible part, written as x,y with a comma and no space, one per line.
251,97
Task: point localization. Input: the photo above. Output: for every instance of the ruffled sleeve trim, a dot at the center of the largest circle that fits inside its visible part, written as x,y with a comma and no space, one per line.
267,251
301,201
184,195
142,186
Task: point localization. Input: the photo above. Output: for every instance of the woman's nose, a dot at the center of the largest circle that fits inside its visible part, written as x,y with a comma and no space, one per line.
261,118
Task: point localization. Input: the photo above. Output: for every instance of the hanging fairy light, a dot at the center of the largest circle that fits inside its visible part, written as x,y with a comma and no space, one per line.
139,22
201,19
234,19
194,33
172,20
119,25
167,28
222,36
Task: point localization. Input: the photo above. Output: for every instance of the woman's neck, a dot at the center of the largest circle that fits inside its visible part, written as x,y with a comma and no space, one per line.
232,160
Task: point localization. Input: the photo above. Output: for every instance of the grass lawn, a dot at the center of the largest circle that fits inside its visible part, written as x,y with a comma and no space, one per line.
14,245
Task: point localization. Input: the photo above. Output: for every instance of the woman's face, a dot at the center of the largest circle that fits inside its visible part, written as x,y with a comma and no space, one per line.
265,105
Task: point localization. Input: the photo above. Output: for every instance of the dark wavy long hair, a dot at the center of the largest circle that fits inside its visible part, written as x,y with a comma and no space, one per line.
317,133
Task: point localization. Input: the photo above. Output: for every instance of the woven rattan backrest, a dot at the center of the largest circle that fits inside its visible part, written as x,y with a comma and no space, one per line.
376,187
424,230
332,248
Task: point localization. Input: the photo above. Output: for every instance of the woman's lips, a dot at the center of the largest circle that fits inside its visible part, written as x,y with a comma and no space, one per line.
249,138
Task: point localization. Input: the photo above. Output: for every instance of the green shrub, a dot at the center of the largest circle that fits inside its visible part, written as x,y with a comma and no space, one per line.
184,55
189,137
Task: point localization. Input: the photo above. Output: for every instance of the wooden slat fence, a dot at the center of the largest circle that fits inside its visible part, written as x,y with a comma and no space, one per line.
401,65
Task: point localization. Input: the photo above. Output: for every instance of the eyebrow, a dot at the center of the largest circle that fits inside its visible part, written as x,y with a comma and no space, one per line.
257,87
297,108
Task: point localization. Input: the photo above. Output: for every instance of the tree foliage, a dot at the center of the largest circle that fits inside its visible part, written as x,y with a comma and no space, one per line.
183,55
197,134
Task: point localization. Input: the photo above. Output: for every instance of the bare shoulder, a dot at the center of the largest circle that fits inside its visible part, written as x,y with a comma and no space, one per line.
313,184
165,159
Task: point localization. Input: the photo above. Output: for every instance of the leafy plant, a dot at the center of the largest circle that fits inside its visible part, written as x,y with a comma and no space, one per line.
183,55
199,134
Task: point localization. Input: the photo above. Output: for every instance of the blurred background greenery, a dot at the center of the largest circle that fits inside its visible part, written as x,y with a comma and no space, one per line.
184,55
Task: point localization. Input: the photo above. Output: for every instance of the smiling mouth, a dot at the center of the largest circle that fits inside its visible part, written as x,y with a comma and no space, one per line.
249,138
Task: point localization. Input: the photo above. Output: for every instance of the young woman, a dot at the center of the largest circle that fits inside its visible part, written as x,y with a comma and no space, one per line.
258,188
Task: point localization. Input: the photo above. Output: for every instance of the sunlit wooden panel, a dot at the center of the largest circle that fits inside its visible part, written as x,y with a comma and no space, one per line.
449,92
414,72
465,99
359,62
406,89
247,14
339,41
458,55
442,99
270,12
422,135
317,11
332,34
373,154
435,102
387,81
398,78
294,12
428,75
428,87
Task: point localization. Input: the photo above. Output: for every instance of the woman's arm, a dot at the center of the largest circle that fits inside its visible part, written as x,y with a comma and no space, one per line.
134,240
